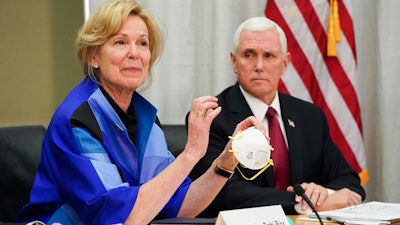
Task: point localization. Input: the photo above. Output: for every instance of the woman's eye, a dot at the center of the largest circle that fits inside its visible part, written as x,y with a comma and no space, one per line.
144,43
120,42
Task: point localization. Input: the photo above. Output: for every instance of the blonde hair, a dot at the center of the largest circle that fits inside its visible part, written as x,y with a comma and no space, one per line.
107,21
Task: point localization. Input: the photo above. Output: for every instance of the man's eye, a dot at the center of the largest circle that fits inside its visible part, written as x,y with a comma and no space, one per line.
248,55
268,55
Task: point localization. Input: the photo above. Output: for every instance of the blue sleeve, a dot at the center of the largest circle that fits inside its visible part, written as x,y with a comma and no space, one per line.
174,204
75,173
88,181
110,195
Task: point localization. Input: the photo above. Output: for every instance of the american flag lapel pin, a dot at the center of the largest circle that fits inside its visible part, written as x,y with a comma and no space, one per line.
291,123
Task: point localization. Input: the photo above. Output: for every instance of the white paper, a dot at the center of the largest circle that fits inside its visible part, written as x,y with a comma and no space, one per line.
347,221
367,213
255,216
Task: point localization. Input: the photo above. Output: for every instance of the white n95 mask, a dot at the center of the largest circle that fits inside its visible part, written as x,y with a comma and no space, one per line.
252,149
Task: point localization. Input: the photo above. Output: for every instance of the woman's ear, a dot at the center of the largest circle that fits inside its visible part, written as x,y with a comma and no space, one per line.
94,61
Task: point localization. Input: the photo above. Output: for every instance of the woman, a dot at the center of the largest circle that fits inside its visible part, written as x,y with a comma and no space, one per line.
105,159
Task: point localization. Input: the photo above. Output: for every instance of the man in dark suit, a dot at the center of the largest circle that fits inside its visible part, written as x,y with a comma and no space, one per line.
259,59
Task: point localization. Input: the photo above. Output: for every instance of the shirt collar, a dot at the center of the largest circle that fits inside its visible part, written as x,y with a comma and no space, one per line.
258,107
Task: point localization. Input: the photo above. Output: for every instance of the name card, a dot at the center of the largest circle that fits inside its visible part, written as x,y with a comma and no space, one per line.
265,215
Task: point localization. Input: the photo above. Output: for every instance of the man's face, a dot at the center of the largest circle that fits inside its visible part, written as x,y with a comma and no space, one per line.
259,63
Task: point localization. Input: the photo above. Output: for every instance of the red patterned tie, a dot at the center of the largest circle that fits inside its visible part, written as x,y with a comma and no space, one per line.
280,154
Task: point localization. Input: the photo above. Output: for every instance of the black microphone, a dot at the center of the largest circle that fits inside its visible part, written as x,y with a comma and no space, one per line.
298,189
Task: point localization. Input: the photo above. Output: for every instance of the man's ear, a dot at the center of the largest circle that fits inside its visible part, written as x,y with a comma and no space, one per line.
286,61
233,61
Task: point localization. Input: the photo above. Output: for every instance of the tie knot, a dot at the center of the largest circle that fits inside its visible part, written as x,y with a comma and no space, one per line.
270,113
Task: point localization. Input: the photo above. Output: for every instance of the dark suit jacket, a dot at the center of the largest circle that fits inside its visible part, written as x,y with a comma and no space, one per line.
312,154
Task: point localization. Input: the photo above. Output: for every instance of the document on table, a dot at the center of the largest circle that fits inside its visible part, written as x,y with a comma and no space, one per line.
367,213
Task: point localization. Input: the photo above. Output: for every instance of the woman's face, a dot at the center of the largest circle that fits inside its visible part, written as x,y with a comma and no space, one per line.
123,60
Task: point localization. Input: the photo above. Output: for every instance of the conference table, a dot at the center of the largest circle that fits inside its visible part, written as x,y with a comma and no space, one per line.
296,219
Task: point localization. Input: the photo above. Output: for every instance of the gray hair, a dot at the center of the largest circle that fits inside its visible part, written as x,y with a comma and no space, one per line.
259,24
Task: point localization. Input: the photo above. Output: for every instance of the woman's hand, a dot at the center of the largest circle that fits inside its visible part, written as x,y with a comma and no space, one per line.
226,159
203,111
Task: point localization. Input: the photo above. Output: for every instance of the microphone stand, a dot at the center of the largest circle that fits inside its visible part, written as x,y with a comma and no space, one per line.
298,189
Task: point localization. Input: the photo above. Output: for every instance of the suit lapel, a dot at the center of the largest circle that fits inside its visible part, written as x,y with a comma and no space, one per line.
239,110
292,122
238,107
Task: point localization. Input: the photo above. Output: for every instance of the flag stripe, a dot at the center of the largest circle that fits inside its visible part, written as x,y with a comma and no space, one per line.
336,71
347,27
295,84
328,81
311,83
348,93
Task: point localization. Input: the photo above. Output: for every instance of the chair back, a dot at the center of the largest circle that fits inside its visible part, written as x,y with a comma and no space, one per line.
20,149
176,137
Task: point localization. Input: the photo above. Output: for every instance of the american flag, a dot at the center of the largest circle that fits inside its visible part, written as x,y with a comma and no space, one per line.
323,69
